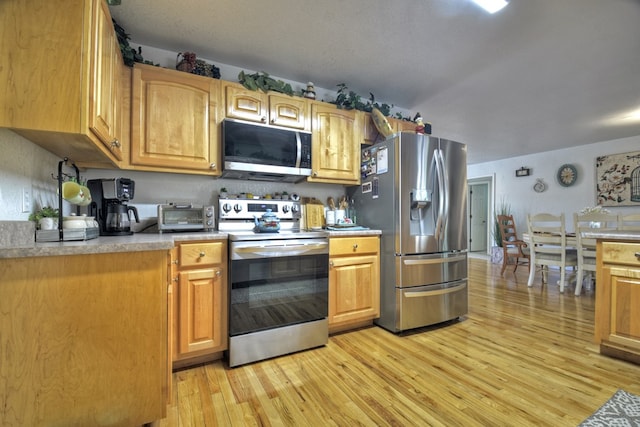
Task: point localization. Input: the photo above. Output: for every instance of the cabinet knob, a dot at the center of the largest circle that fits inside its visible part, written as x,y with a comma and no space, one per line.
637,255
115,143
355,246
218,273
331,264
263,119
213,166
315,173
273,121
175,261
175,279
202,254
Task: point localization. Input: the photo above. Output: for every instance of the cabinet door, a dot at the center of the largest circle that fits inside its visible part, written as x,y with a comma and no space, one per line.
245,104
105,77
175,122
624,304
289,111
354,292
201,311
336,144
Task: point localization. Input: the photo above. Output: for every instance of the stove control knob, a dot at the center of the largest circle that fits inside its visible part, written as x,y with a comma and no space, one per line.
285,209
237,208
226,207
210,222
295,209
209,214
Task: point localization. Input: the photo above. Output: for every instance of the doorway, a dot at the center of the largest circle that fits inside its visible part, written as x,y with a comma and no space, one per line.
479,196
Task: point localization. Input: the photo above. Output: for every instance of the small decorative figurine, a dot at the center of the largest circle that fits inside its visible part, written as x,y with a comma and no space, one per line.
310,92
419,123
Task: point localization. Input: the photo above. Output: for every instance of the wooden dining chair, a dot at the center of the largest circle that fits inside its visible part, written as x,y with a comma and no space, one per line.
512,247
548,246
586,247
630,222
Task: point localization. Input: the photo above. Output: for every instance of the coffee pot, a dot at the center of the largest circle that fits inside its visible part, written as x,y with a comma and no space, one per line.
118,220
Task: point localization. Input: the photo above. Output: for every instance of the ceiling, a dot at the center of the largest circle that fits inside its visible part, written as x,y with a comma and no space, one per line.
537,76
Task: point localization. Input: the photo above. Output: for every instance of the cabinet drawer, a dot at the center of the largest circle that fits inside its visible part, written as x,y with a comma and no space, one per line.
621,253
353,245
201,254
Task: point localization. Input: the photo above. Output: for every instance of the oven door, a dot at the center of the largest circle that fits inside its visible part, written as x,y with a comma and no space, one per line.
275,283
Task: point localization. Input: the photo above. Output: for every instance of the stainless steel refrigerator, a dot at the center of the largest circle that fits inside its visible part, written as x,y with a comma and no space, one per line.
414,189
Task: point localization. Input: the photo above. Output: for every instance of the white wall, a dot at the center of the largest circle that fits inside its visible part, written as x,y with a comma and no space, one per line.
556,199
25,166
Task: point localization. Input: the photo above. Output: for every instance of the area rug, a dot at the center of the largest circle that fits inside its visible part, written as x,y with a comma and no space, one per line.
622,410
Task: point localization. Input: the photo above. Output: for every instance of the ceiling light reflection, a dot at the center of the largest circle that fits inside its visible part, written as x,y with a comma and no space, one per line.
491,6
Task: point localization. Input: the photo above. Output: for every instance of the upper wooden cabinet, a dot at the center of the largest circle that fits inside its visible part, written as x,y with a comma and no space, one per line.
336,137
371,134
175,121
59,78
272,108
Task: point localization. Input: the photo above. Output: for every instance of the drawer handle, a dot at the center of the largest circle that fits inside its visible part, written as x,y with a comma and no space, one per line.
202,254
355,246
637,255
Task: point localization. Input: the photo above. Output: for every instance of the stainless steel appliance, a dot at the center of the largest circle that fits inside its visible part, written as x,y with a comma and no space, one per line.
109,197
185,217
414,190
265,153
278,281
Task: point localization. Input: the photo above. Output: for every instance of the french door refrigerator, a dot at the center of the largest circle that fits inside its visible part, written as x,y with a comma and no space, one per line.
414,190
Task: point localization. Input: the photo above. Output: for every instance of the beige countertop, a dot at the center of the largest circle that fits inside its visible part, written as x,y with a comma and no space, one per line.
134,243
613,235
107,244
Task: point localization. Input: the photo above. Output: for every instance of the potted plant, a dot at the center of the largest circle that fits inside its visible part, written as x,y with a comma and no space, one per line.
285,195
503,208
223,193
45,218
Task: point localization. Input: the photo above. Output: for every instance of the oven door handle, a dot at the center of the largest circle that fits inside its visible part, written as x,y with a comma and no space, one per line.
286,249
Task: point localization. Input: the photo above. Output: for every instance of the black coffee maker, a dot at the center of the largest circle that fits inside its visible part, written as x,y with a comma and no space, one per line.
109,197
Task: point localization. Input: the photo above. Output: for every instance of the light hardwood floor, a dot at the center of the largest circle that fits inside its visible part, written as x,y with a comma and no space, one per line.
521,357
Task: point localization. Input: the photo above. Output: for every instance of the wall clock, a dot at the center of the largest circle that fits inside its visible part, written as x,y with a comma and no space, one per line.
567,175
539,186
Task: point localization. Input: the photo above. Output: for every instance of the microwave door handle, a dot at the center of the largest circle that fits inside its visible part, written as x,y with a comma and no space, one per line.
298,150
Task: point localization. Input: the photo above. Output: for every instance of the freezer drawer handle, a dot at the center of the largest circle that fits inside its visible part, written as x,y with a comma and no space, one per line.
436,292
435,260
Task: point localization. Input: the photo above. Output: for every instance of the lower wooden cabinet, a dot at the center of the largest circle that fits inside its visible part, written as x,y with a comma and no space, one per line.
617,327
354,281
200,325
82,339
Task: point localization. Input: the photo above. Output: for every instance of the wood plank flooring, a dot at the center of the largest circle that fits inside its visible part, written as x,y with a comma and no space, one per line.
521,357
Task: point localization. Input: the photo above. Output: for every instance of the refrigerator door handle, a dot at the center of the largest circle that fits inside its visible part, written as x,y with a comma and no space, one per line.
444,291
441,194
445,185
435,260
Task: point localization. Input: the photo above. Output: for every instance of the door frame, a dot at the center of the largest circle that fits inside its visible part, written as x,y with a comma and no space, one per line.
489,180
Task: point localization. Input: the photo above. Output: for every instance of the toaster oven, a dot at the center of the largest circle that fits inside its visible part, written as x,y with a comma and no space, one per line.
185,217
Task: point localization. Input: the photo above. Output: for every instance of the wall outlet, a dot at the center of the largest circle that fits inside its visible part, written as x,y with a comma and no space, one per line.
26,200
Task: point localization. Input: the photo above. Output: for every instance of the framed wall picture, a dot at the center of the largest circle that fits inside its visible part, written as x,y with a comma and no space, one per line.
618,179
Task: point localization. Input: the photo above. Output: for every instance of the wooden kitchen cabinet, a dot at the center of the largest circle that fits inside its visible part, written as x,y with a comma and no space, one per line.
370,134
83,339
200,302
336,138
60,78
617,318
175,121
268,108
354,281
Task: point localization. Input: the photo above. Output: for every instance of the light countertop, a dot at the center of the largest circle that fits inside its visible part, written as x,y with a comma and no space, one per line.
134,243
613,235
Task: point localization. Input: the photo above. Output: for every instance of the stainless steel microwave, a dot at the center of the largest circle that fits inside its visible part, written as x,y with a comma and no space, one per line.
260,152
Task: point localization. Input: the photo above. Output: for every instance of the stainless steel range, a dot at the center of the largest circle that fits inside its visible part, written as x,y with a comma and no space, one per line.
278,281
